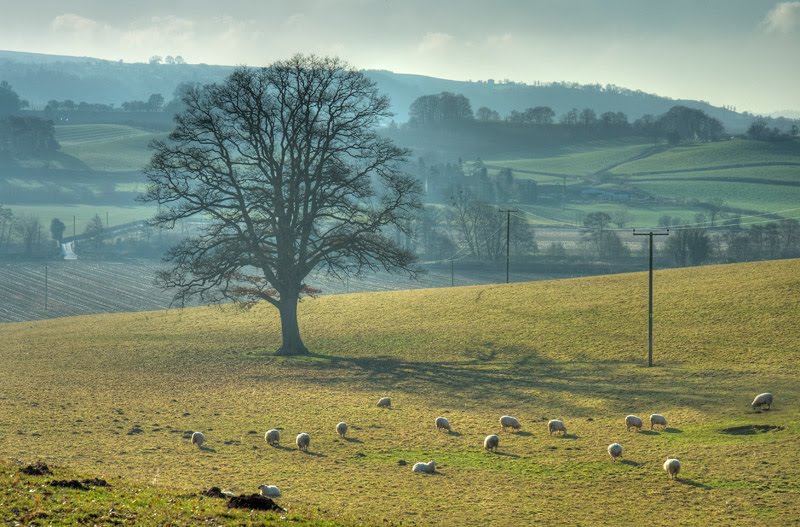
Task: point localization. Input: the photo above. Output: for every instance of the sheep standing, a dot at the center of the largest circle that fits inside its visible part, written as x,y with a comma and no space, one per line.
302,441
657,419
442,424
341,429
615,451
198,439
491,443
385,402
632,421
273,437
269,491
509,422
761,400
556,425
424,468
672,467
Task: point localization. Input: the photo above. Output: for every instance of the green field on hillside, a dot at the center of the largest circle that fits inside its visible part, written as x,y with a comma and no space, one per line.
723,153
748,196
107,147
113,396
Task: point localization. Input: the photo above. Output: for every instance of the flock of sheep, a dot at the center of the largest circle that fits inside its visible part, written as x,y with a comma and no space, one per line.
672,466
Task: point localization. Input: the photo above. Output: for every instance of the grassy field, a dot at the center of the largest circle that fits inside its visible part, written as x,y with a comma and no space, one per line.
107,147
113,396
724,153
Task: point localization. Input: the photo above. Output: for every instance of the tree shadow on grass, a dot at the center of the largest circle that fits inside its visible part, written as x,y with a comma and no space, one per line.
522,434
352,440
313,454
489,380
649,433
569,436
693,483
630,463
673,430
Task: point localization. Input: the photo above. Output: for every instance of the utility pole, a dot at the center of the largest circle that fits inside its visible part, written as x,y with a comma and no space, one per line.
45,288
452,274
650,294
508,239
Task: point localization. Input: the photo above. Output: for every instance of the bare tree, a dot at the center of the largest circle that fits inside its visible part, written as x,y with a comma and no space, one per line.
29,229
286,163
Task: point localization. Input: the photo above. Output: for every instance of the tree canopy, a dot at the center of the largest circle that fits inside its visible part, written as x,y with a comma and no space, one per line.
286,165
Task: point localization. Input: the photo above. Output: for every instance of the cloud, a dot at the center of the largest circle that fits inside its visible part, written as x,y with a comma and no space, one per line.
72,22
434,41
500,41
783,18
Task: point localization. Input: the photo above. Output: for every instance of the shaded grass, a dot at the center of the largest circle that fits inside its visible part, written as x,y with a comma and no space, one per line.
569,349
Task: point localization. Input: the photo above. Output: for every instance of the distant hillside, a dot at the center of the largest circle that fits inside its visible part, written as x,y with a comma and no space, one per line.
39,78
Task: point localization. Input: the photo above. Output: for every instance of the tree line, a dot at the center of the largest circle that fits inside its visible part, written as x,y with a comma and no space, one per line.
679,124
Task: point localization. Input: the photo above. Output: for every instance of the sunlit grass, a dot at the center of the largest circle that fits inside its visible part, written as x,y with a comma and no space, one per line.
73,388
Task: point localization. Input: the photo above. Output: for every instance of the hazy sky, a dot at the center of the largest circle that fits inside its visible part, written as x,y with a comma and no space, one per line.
744,53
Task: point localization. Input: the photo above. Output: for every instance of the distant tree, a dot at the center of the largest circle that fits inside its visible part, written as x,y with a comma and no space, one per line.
442,109
29,229
179,60
542,115
286,164
587,118
614,120
607,243
715,207
94,231
169,59
795,131
9,100
571,118
597,221
690,246
155,102
681,123
57,228
68,105
621,218
6,226
155,59
647,125
486,114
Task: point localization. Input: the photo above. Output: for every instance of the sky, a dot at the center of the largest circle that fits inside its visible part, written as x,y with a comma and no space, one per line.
741,53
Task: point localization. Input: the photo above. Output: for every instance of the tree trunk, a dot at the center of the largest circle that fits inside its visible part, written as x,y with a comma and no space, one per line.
290,331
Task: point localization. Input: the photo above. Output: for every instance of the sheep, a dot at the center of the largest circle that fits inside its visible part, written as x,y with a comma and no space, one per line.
615,451
761,400
341,429
384,402
632,421
442,424
491,443
269,491
555,425
198,439
302,441
273,437
509,422
657,419
672,467
424,468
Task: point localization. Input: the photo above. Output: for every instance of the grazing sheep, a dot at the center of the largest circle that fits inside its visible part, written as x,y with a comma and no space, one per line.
657,419
761,400
341,429
198,439
491,443
555,425
302,441
509,422
273,437
269,491
632,421
615,451
424,468
672,467
442,424
385,402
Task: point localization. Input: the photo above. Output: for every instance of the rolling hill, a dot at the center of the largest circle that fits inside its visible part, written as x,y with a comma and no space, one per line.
113,396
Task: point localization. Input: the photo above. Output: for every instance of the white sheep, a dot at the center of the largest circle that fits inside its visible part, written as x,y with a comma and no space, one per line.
615,451
761,400
509,422
657,419
273,437
556,425
442,424
269,491
424,468
341,429
198,439
632,421
672,467
302,441
384,402
491,443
